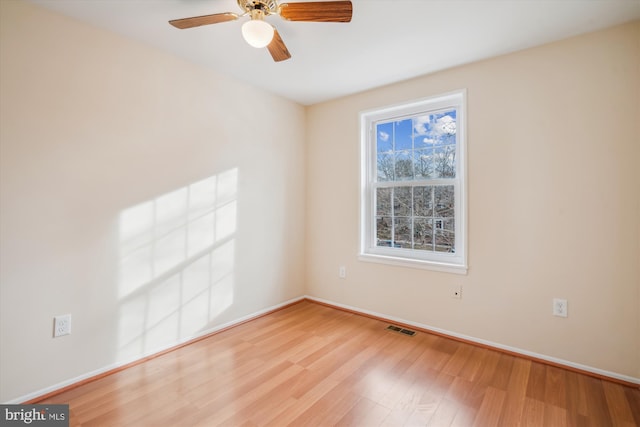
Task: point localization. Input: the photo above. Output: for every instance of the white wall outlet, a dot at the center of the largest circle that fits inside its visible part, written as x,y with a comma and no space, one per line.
342,272
61,325
560,307
456,291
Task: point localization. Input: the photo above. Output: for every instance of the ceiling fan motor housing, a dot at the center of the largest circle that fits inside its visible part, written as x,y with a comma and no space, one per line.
268,7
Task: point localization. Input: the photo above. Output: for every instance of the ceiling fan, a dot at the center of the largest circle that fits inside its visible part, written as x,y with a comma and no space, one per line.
259,33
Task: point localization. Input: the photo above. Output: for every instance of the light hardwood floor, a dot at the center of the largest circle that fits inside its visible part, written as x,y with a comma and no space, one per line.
311,365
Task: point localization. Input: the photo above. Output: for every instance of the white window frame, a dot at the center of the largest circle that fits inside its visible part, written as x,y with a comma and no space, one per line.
446,262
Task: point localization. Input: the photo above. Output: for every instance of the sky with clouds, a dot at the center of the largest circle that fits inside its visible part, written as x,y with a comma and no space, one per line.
423,130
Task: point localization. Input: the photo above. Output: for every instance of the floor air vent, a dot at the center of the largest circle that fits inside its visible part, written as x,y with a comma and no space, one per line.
401,330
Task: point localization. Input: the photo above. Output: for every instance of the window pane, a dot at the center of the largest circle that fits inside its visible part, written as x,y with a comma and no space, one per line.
444,201
423,163
444,162
383,231
421,125
385,167
403,139
383,201
445,126
402,233
423,201
445,237
423,234
402,201
404,165
384,138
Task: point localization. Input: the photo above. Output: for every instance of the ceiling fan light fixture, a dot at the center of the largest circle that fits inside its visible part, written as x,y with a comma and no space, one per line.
257,33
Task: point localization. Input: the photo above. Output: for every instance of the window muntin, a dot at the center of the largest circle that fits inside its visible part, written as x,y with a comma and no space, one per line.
413,184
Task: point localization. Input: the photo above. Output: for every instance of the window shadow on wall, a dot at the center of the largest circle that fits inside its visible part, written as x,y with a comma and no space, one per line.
176,264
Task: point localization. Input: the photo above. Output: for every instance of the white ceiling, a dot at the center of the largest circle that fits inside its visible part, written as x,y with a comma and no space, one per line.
386,41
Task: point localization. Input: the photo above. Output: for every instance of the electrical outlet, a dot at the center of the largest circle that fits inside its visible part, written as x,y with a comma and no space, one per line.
61,325
456,291
560,307
342,272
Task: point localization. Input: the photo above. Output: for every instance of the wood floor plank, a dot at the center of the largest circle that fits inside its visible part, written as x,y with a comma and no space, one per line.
474,364
491,408
633,397
428,404
309,365
427,397
554,416
444,415
460,391
307,383
458,360
434,358
237,412
597,406
364,413
555,387
576,399
533,413
220,383
329,409
537,382
464,417
397,417
618,405
307,400
500,379
516,392
481,384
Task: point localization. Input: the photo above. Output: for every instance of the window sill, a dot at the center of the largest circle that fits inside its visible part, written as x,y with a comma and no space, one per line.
414,263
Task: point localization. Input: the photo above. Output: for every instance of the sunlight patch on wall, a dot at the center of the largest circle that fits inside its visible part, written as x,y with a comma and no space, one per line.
177,257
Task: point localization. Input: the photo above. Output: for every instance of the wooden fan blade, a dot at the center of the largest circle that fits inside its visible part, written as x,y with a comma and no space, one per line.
277,48
197,21
317,11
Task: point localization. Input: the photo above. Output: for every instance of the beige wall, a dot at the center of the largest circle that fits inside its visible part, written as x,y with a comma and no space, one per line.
96,133
553,197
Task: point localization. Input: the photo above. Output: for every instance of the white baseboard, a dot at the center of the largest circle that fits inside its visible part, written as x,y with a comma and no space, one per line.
557,361
88,375
554,360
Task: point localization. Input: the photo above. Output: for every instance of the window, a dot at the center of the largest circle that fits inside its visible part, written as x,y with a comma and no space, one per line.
413,184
